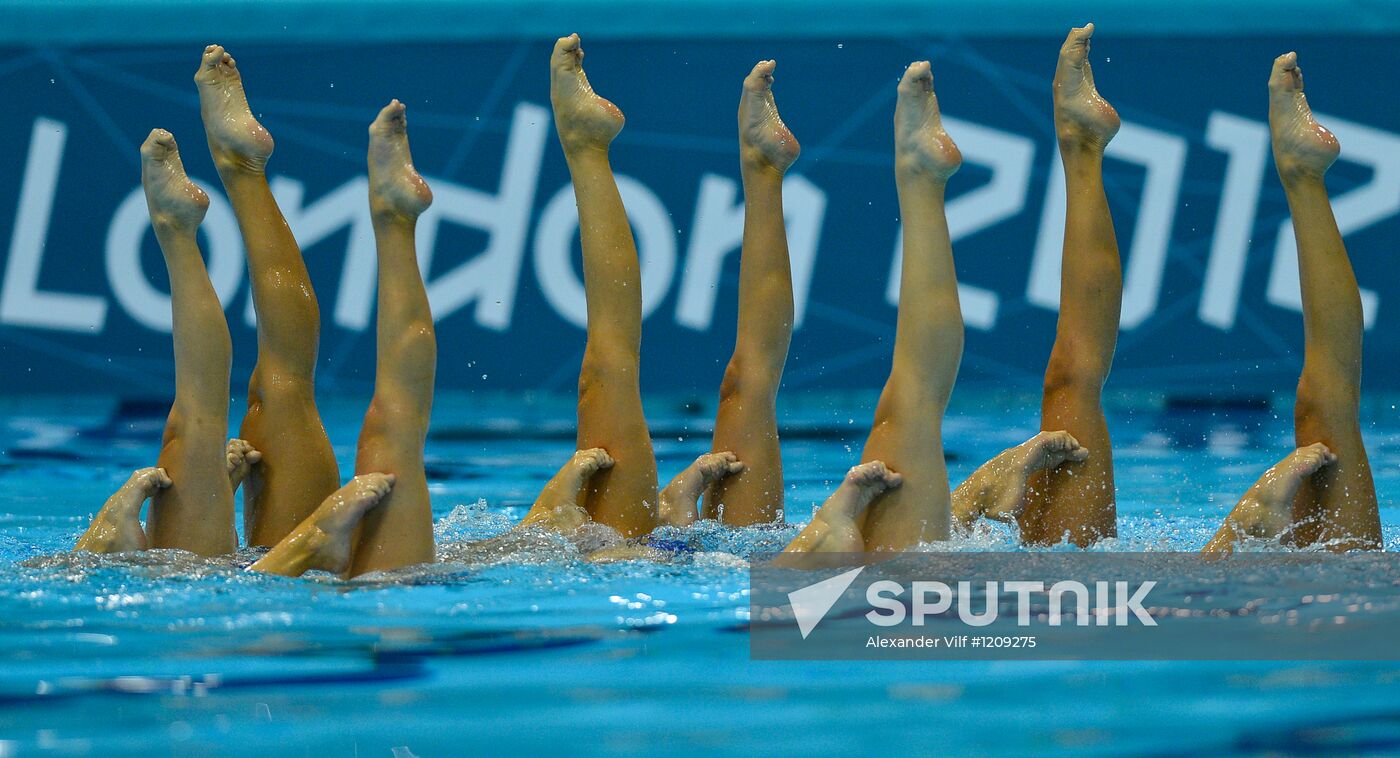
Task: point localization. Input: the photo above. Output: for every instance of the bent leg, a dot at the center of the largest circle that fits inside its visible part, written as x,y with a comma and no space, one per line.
117,527
1077,498
556,508
299,469
1266,510
908,430
610,397
998,489
678,500
835,527
1336,506
747,422
323,541
195,512
400,531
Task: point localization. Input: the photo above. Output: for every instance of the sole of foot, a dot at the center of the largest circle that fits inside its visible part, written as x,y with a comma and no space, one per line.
582,118
1302,146
1044,451
1083,119
764,139
172,199
1267,509
341,513
921,144
395,185
236,138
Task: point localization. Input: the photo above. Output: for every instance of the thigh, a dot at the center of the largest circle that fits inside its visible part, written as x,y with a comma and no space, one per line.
623,497
196,512
911,445
1077,500
298,468
399,531
1337,505
749,429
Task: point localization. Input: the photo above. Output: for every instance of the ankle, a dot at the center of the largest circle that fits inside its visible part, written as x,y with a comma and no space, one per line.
1078,148
753,164
584,150
1295,175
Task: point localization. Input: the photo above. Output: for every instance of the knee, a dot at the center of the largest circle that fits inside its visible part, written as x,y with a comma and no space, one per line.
1324,402
748,378
607,368
1065,375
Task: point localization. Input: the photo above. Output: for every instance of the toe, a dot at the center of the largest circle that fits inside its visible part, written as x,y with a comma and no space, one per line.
157,144
918,77
761,77
1286,76
567,51
1076,48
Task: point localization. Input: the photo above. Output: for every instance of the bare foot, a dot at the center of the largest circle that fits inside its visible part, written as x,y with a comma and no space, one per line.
1266,510
236,139
582,118
172,199
557,506
322,541
833,528
921,145
1083,119
241,457
1302,147
998,491
394,185
677,504
764,140
117,527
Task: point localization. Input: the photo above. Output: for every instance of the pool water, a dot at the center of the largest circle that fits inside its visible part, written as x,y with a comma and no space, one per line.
523,647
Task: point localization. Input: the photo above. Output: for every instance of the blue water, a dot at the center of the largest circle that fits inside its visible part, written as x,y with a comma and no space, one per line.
523,647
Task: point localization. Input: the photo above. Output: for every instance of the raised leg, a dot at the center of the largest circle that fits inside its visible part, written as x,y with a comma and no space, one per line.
908,430
400,531
299,468
747,421
998,489
117,527
679,499
1076,499
610,397
557,506
195,512
1337,505
1266,510
323,541
835,527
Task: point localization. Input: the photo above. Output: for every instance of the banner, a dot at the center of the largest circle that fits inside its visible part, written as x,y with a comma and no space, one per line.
1211,296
